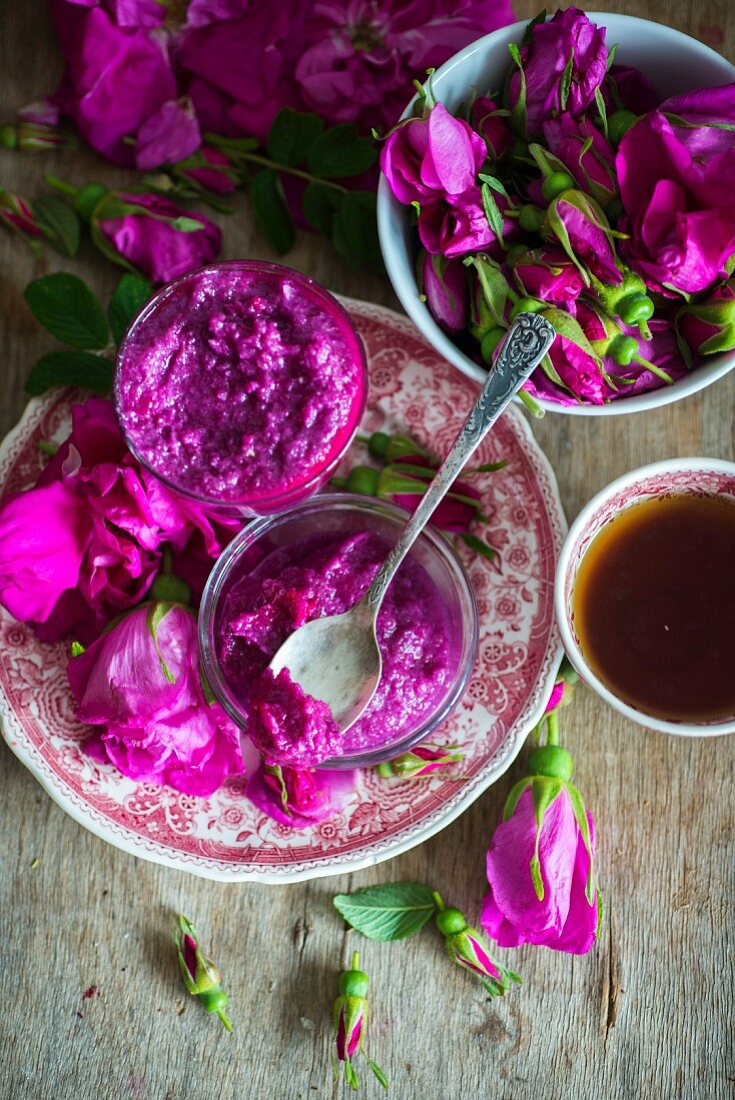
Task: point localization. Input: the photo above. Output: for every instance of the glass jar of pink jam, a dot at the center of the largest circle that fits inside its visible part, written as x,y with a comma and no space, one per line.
241,384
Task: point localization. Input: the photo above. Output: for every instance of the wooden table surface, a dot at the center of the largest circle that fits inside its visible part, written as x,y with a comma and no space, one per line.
647,1013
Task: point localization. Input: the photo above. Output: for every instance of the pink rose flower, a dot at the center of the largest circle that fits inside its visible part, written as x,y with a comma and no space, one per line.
540,872
630,91
117,75
549,275
170,134
210,169
676,188
709,327
427,159
458,224
301,797
569,34
86,542
491,126
360,57
451,515
141,682
145,232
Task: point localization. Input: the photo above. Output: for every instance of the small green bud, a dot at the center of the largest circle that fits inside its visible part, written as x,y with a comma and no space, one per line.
489,343
530,218
634,308
363,480
622,349
353,983
618,125
553,761
555,184
214,1000
87,198
450,921
527,305
378,444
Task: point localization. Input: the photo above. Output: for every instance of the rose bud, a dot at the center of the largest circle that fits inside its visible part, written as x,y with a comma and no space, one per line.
709,327
301,797
420,761
427,159
350,1022
443,284
16,213
492,126
201,976
465,947
540,863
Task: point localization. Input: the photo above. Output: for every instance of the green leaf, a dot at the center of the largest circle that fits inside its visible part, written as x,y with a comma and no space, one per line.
568,327
378,1073
390,912
566,81
514,796
350,1075
494,183
340,152
528,32
355,229
478,546
68,309
292,135
518,114
128,298
157,611
270,211
580,815
492,212
184,224
70,368
494,286
320,203
600,101
59,222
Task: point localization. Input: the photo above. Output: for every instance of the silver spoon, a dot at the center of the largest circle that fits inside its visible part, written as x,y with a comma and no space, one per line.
337,658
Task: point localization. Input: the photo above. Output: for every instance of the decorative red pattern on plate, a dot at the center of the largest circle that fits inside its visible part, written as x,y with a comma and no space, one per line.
225,837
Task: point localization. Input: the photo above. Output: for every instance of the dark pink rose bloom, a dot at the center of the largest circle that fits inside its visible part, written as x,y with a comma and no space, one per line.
149,240
580,374
451,515
591,165
548,274
86,542
141,682
360,57
676,185
562,918
633,91
458,224
116,77
492,127
136,13
170,134
426,159
444,284
709,327
568,34
308,795
242,67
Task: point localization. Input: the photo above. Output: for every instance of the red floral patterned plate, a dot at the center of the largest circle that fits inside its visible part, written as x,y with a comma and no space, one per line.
225,837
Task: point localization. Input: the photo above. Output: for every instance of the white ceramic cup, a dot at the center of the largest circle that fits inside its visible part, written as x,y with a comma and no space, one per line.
677,476
674,62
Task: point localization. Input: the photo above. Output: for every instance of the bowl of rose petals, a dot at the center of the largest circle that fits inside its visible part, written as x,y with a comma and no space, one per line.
583,167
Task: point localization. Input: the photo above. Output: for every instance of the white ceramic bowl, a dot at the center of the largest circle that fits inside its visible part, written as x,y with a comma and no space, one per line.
676,475
673,61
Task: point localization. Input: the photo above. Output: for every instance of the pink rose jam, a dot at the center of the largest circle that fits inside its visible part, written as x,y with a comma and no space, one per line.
325,575
241,383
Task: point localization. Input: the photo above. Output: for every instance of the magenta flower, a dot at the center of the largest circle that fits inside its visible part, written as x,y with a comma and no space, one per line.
455,513
349,1017
239,60
631,91
170,134
540,862
86,542
301,797
676,187
118,74
141,683
491,126
427,159
444,285
583,231
16,213
361,56
549,275
709,327
209,169
466,948
563,64
458,225
585,152
153,235
201,977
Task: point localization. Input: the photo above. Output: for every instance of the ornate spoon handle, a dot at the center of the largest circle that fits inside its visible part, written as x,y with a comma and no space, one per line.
525,346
